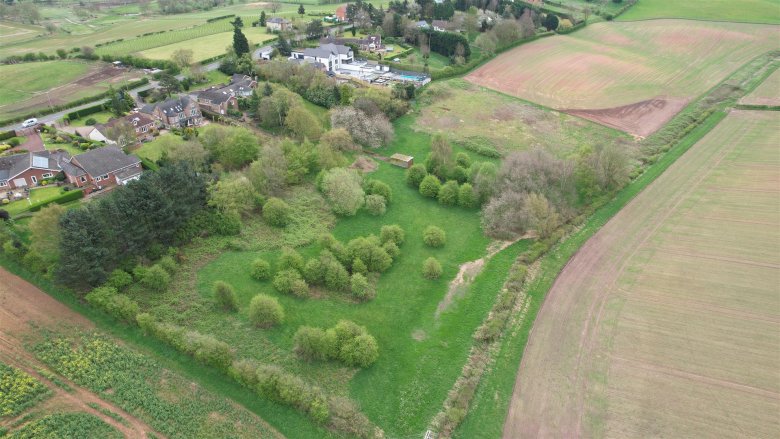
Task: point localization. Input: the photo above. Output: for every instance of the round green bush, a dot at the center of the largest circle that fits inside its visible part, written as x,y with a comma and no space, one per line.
448,194
392,232
361,351
284,279
156,278
276,212
119,279
313,272
358,266
430,186
375,205
265,311
463,160
466,196
261,269
359,286
434,236
290,259
415,175
225,295
300,288
460,174
391,249
431,268
376,187
91,121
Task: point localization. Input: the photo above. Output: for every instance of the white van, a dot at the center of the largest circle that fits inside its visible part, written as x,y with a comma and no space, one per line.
29,123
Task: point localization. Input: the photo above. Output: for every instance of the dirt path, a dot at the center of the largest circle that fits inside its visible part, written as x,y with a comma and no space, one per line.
23,306
565,382
468,271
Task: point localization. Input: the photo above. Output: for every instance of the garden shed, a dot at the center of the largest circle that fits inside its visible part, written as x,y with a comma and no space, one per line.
404,161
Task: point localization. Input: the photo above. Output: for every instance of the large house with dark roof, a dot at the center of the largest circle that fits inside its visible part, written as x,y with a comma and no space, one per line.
29,169
278,24
221,99
102,167
143,126
332,56
178,112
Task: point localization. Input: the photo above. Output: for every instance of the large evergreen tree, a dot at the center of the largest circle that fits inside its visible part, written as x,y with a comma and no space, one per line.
301,9
262,19
240,43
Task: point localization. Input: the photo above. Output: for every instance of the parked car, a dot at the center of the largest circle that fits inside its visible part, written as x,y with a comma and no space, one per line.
29,123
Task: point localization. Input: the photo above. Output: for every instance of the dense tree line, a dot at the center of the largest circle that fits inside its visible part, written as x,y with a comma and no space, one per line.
115,230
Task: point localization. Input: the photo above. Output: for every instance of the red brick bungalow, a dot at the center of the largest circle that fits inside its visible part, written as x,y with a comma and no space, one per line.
101,168
29,169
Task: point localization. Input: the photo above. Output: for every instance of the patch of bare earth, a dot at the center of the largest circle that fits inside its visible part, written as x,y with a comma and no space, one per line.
23,306
364,164
466,274
640,119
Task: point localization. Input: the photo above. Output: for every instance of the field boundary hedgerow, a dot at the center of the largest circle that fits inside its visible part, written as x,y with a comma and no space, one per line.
487,411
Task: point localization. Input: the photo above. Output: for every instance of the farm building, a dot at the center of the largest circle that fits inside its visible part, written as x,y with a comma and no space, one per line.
404,161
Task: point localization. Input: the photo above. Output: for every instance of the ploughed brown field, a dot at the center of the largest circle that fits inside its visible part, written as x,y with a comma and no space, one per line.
667,321
633,76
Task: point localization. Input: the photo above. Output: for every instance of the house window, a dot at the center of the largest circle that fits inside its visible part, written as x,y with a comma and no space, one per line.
104,177
144,129
83,179
46,175
99,178
34,179
3,183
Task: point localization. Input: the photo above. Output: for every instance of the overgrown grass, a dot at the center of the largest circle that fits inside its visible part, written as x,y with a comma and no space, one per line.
749,11
67,425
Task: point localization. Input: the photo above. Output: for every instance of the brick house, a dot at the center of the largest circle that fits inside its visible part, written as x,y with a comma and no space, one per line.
341,13
217,100
175,113
142,124
30,168
278,24
102,167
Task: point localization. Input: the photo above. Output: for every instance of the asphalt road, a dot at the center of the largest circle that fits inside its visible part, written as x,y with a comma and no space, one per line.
51,118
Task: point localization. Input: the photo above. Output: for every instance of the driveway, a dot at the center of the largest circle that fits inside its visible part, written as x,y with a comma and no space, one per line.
34,143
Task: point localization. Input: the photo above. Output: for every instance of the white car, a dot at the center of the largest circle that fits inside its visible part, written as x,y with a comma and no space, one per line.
29,123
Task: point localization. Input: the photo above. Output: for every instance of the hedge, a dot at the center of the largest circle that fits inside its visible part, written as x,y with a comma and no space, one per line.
7,135
62,199
78,114
221,17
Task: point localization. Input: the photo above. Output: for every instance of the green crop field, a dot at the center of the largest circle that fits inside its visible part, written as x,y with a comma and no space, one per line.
207,46
750,11
21,81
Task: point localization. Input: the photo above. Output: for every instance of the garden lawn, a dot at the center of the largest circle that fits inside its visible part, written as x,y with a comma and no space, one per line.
750,11
153,150
36,196
21,81
100,117
208,46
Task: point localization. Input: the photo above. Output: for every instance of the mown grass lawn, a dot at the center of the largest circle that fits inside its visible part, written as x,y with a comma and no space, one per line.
100,117
207,46
36,195
153,150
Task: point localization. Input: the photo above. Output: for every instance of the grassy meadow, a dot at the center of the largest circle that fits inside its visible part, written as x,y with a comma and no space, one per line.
505,123
748,11
611,64
207,46
420,354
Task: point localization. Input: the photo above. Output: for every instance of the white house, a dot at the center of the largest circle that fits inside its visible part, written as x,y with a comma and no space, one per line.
332,56
92,133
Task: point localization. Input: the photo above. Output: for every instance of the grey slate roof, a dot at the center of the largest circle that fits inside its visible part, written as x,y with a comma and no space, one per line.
215,95
278,20
326,50
13,165
169,107
105,160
